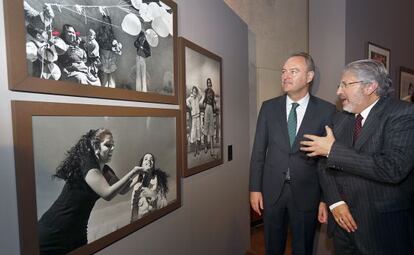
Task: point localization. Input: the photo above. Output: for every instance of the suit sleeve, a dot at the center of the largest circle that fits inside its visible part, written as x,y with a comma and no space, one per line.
330,193
391,164
259,152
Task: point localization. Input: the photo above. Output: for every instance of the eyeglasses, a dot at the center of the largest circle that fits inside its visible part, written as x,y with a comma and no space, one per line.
344,85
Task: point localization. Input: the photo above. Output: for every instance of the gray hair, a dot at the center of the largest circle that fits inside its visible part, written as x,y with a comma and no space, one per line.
369,70
308,59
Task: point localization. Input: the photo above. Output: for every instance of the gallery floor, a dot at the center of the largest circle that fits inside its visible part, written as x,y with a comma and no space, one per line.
257,245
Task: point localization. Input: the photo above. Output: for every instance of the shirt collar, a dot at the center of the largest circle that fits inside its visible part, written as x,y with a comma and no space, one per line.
366,111
302,102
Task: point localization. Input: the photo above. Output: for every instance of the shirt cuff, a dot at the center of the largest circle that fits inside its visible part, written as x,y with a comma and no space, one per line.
332,206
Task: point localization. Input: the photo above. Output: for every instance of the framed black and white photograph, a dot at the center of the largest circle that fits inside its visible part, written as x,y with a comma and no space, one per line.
201,86
88,175
117,49
380,54
406,84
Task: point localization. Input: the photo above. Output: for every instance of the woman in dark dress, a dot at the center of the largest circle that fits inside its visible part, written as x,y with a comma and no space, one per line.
63,227
109,51
73,62
150,189
209,104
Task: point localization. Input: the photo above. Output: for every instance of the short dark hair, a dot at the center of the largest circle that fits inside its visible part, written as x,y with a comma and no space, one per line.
195,87
33,31
65,31
308,59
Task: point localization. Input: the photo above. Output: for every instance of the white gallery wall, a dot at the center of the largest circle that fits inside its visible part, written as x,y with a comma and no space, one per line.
277,28
327,45
214,217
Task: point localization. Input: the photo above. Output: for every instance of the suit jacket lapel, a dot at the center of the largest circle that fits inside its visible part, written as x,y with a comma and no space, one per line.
371,123
310,114
343,129
281,119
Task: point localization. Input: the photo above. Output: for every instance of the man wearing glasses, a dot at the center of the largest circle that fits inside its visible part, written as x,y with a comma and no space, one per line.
367,175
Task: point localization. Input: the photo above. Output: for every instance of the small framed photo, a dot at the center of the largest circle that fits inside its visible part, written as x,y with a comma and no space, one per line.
93,48
407,84
88,175
202,108
379,53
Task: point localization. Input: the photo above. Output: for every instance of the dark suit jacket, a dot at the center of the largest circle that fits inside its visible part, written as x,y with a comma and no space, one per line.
272,154
374,176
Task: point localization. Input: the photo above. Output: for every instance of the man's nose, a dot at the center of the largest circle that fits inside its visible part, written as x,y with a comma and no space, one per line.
339,91
285,76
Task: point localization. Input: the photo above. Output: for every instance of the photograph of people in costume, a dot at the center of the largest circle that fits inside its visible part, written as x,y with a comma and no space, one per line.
202,108
117,44
110,162
407,84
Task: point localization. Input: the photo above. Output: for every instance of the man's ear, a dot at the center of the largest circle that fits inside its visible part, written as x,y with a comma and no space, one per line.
309,76
371,88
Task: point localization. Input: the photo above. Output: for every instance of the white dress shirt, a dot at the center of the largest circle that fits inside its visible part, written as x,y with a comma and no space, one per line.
300,110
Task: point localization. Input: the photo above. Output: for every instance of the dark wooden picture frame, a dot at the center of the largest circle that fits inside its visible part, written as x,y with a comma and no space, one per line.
53,59
43,134
380,53
406,79
202,115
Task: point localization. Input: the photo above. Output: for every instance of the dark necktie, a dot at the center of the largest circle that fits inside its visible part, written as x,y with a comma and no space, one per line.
292,123
357,127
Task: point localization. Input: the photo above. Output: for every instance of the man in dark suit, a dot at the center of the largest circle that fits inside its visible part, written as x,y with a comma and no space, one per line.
283,180
367,178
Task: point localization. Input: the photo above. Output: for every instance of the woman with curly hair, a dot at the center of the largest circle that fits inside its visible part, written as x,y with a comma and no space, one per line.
150,190
63,227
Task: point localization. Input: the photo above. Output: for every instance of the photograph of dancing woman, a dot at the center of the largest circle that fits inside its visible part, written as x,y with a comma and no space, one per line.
63,227
75,154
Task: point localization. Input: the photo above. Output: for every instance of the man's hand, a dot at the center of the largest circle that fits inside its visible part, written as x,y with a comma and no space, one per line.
318,145
343,218
322,213
256,201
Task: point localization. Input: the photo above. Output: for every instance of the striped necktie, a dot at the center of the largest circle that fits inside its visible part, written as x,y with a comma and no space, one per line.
292,123
357,126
